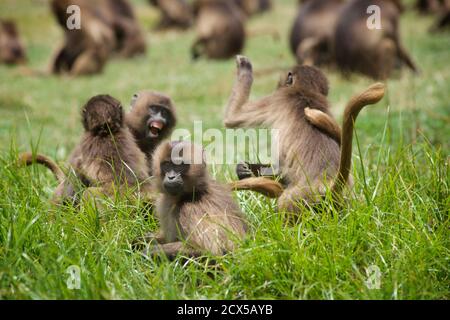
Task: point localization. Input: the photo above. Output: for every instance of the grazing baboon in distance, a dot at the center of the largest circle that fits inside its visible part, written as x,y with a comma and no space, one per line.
197,215
372,52
106,157
251,7
220,29
311,160
120,16
151,119
312,34
85,50
12,50
174,14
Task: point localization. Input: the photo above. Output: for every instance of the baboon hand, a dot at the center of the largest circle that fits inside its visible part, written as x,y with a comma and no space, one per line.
244,68
243,171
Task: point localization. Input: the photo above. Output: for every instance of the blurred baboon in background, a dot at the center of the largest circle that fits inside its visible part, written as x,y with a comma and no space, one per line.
120,16
429,6
220,29
175,14
12,49
371,50
444,19
312,34
85,49
251,7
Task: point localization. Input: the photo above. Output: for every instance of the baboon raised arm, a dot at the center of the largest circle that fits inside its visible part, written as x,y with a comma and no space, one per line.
311,160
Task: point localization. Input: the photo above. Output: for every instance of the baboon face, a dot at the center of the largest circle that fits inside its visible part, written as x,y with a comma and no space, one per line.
305,78
181,168
11,49
152,115
102,115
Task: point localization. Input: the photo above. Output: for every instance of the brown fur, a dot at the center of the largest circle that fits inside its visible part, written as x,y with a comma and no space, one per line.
252,7
201,216
310,159
220,29
175,14
12,50
374,53
107,155
429,6
139,118
86,50
120,17
311,38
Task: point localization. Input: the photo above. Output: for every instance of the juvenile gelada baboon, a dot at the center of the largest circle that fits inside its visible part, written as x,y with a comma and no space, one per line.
197,215
311,38
107,156
311,160
85,50
12,50
371,51
175,14
151,119
220,29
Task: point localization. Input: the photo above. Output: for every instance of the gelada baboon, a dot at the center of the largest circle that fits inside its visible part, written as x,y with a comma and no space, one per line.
85,50
106,158
251,7
175,14
12,50
443,21
197,215
151,119
120,16
220,29
372,52
311,160
311,38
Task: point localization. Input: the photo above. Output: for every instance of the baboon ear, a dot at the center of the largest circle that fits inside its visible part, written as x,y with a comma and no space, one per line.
290,79
133,100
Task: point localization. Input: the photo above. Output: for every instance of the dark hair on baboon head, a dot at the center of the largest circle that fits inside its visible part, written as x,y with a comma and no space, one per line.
102,115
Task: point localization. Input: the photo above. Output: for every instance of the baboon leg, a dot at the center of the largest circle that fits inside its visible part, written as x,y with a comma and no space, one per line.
406,58
59,62
87,63
294,197
307,51
171,250
198,48
386,58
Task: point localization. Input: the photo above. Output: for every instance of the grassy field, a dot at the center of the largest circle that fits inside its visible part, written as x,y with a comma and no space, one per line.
397,217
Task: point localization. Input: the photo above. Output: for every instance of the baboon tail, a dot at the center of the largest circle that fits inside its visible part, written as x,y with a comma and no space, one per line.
371,95
267,187
27,159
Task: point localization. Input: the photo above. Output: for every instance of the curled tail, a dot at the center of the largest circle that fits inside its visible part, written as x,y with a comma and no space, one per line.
27,159
371,95
267,187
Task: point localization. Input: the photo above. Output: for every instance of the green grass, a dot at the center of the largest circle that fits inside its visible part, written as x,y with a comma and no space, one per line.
397,217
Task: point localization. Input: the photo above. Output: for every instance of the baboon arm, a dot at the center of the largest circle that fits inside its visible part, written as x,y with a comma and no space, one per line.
406,58
171,250
324,122
239,111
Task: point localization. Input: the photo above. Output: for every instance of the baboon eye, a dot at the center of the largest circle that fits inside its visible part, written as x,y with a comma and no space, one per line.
290,79
134,99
